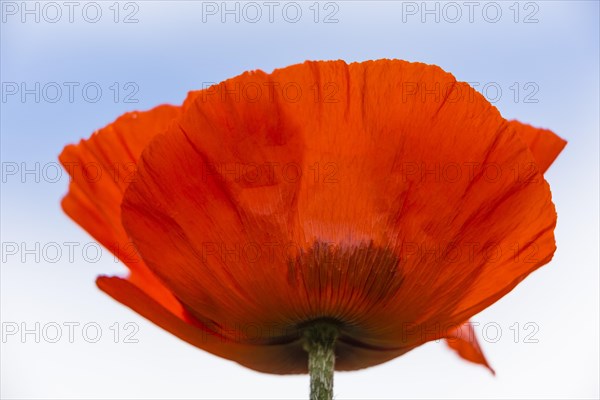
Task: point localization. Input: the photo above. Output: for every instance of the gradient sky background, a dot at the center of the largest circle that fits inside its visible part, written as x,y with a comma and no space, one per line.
171,50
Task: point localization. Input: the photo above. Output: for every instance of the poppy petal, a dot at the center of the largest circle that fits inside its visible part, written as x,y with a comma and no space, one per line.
101,167
286,358
205,244
463,340
544,144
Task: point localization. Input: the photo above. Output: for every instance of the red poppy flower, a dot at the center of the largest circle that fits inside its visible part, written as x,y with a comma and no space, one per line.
383,198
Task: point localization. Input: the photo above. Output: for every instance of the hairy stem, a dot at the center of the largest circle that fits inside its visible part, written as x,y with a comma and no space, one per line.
319,342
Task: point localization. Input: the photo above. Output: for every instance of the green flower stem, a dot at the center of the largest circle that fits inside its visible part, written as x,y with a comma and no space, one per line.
319,342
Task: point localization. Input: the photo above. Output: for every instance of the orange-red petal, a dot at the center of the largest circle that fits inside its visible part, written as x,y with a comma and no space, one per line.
544,144
101,167
463,340
284,358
